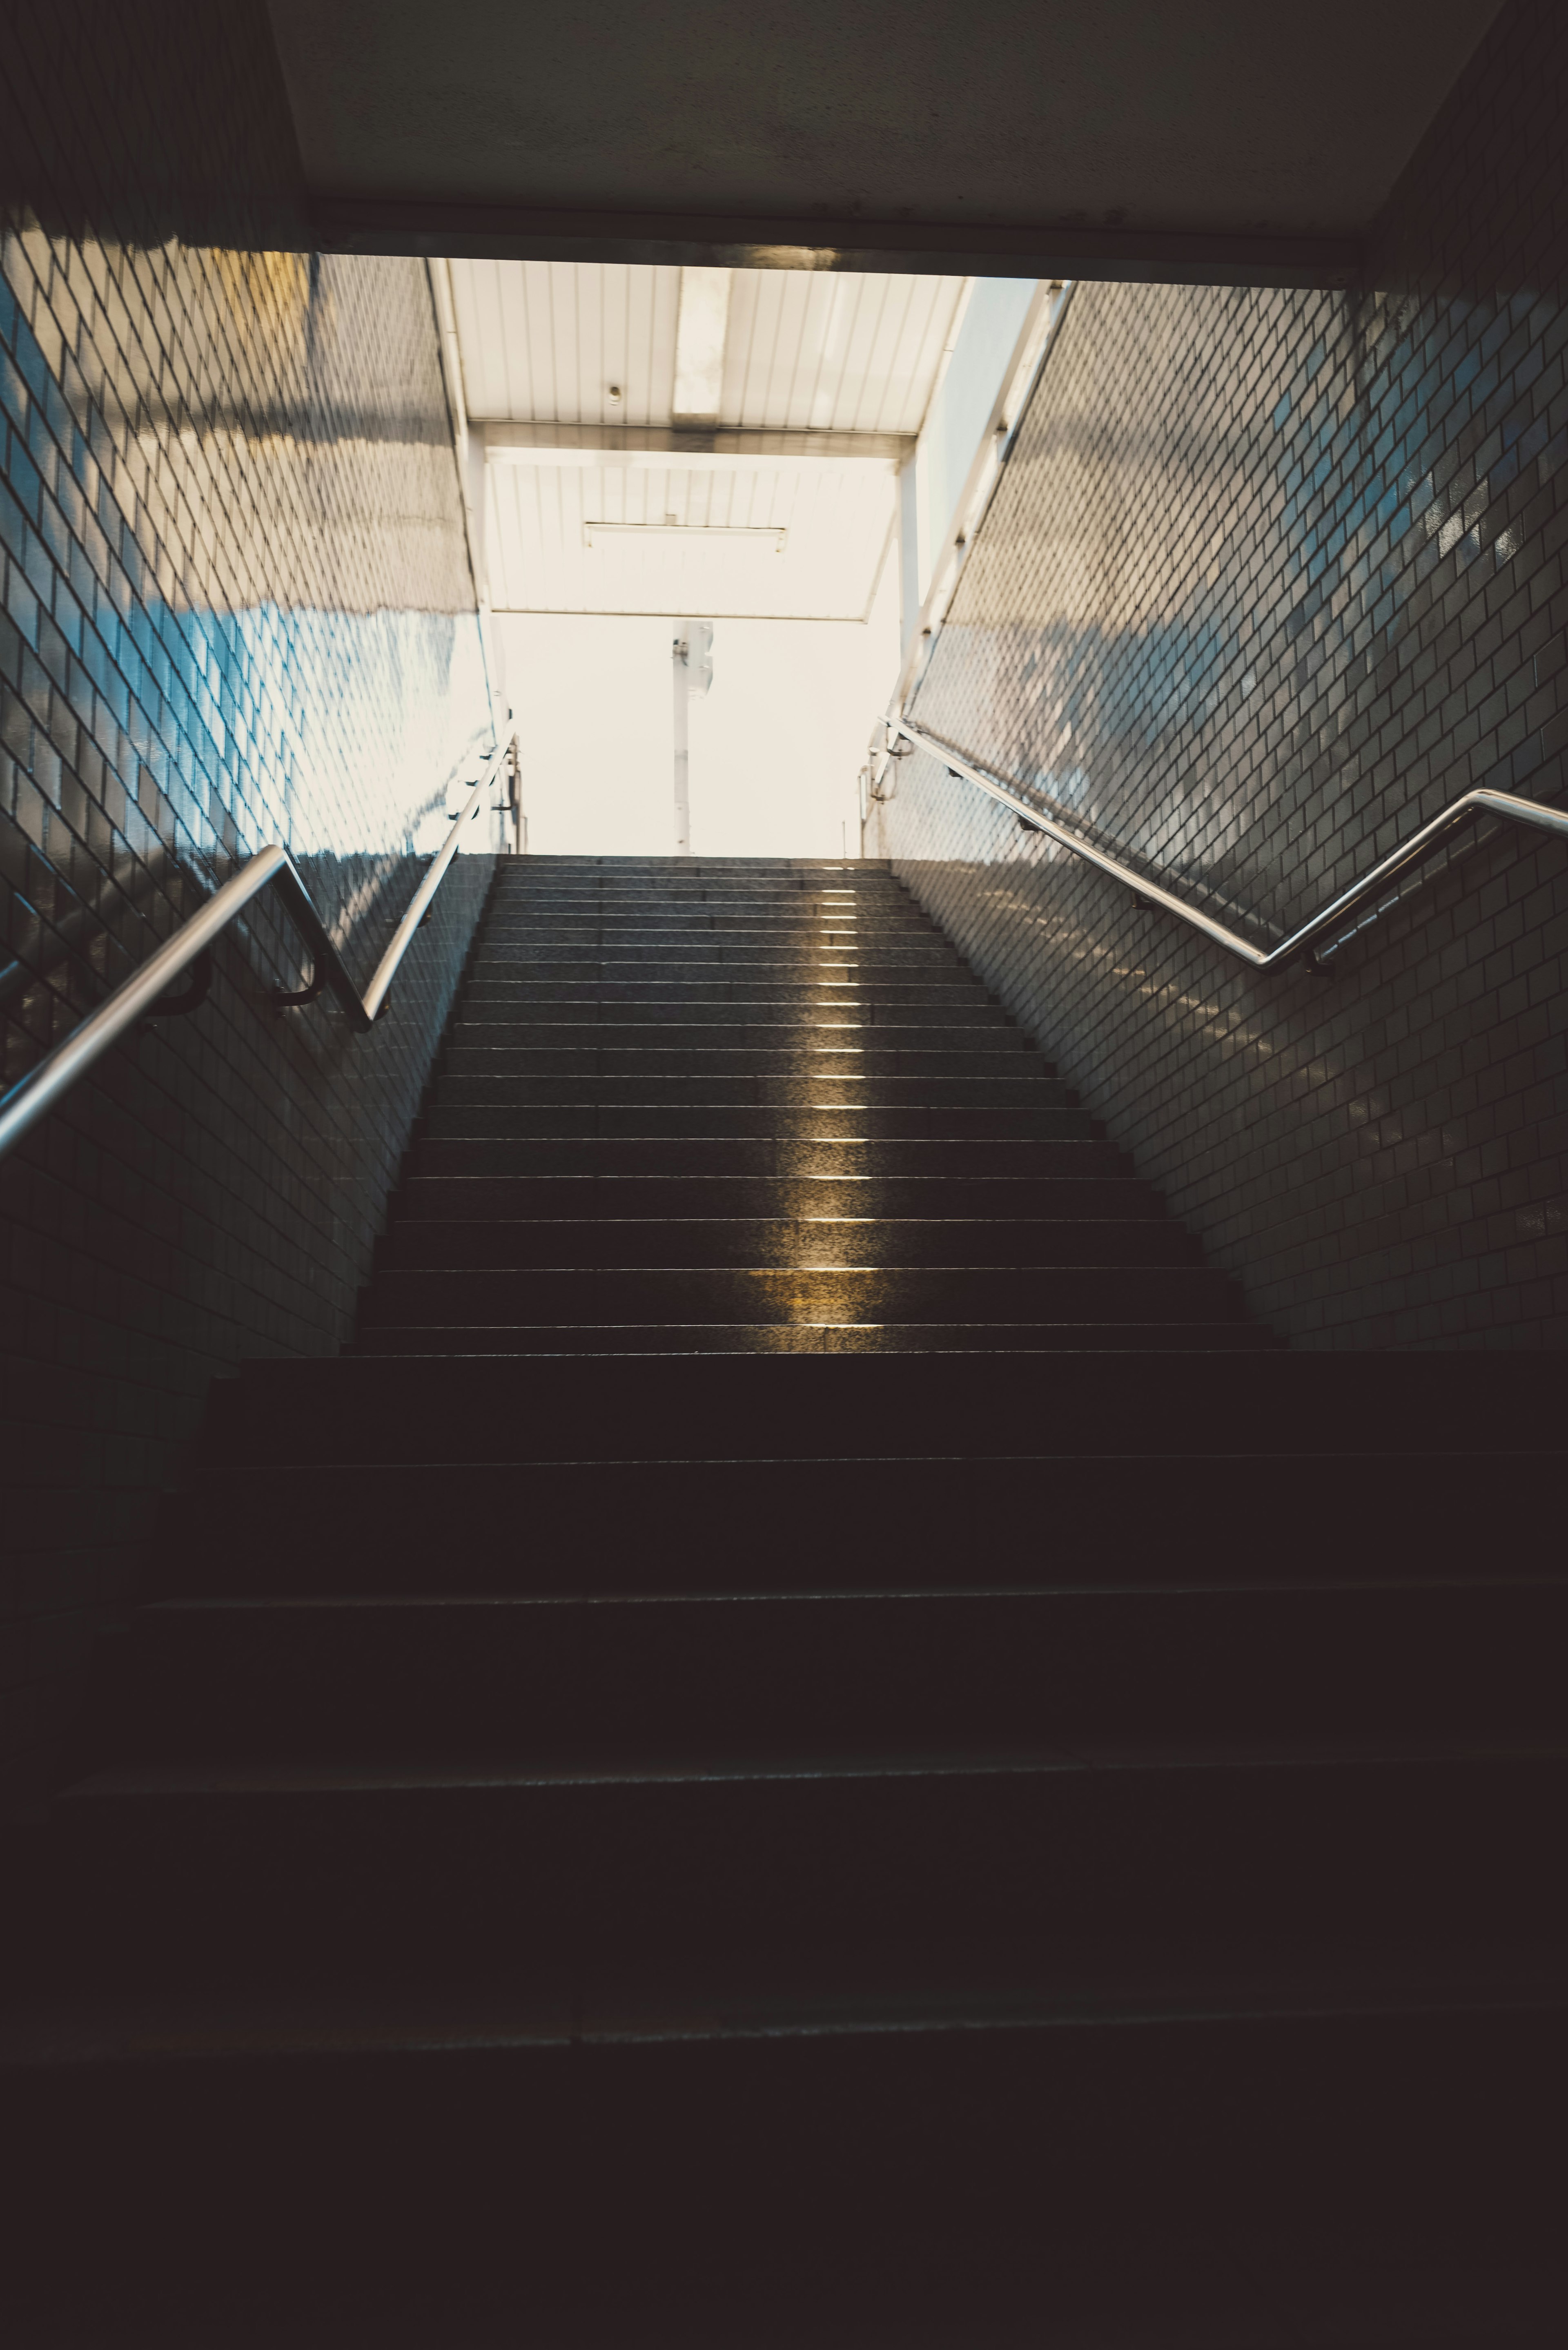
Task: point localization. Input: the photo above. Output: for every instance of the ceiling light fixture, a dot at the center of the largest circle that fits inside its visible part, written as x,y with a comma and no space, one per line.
769,539
704,317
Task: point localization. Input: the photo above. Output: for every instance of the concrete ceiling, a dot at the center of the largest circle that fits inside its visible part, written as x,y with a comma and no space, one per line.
1222,139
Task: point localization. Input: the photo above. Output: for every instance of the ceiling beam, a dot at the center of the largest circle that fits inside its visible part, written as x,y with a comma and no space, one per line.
919,248
548,444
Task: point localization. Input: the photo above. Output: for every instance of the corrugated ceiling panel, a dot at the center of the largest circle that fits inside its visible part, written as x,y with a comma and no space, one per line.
857,354
543,341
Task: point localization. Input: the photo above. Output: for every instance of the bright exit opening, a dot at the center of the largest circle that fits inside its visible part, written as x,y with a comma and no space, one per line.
778,454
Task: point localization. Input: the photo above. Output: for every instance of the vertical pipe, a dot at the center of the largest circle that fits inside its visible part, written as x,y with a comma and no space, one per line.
683,676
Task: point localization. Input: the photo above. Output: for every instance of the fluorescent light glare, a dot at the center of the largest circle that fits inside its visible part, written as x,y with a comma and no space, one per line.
699,341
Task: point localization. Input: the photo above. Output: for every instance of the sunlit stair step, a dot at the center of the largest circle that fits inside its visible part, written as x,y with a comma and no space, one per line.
865,1243
947,1047
658,1338
455,1296
807,1116
648,1196
907,1022
946,1077
720,998
444,1154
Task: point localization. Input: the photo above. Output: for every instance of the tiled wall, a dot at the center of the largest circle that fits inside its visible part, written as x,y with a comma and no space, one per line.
1270,579
236,608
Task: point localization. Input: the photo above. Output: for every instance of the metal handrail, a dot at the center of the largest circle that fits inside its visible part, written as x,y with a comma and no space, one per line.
137,997
1464,810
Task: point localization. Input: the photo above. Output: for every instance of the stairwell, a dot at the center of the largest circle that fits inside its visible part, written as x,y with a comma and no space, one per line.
812,1735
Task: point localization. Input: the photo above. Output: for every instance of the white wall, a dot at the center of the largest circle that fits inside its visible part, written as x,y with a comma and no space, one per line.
776,747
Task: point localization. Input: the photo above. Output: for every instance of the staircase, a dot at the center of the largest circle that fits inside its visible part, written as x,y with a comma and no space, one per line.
812,1737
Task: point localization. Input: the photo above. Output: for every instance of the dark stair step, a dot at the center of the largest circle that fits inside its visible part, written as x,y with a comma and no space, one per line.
393,1870
751,1242
843,1995
1381,2170
761,1408
1197,1519
548,1681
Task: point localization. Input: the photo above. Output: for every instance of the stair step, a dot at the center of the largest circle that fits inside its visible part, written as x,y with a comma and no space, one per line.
1031,1520
1374,2155
717,998
783,1080
472,1052
835,1995
510,1107
662,1338
396,1870
769,1408
474,1295
822,1030
701,928
835,872
749,1243
931,965
450,1158
617,1197
579,1682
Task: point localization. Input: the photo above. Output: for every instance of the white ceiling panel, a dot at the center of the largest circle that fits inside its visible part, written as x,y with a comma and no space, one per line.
810,352
790,541
545,341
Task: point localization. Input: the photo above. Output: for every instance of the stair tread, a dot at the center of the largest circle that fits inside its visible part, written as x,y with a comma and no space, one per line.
220,1778
826,1991
809,1193
663,1340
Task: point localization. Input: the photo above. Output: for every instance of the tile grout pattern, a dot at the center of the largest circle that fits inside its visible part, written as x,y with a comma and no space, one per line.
1271,578
234,608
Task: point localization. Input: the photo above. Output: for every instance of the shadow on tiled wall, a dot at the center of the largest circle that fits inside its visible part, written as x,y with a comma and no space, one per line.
1271,578
235,608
